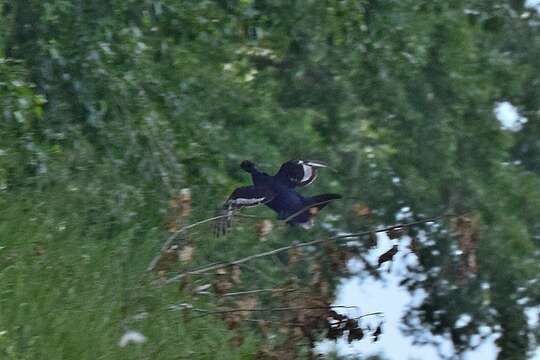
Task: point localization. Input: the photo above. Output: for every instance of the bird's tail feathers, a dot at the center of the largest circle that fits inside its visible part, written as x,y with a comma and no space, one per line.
320,201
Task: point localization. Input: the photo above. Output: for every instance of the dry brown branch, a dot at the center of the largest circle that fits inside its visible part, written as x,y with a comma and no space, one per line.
378,313
248,292
306,208
239,293
173,236
273,322
337,238
227,311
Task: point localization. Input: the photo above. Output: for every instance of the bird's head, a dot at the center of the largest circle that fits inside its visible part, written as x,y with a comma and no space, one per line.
247,165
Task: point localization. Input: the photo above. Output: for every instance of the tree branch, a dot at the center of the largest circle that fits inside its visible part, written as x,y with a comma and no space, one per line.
171,238
306,208
378,313
337,238
227,311
247,292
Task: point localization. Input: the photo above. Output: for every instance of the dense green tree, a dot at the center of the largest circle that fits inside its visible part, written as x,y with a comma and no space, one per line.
109,108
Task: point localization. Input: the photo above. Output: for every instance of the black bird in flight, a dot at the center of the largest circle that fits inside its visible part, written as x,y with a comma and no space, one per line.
278,193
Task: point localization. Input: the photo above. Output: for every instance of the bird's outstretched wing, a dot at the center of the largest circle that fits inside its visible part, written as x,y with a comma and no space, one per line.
295,173
245,196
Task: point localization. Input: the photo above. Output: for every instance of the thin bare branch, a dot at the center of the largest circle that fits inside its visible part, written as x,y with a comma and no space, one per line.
227,311
258,321
306,208
247,292
237,213
171,238
250,216
377,313
273,322
337,238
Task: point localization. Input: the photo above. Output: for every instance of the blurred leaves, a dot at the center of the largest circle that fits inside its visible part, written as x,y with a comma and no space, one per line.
122,121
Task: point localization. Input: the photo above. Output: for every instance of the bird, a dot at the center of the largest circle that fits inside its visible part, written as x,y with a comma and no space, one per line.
278,192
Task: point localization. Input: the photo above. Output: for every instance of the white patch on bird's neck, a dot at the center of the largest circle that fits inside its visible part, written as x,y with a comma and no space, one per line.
308,172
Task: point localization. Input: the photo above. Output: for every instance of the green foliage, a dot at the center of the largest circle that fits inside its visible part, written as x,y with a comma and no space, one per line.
71,290
108,108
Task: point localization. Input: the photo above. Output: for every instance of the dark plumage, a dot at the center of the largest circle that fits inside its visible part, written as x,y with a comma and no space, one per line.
278,193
